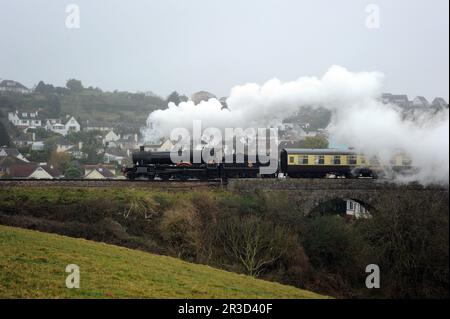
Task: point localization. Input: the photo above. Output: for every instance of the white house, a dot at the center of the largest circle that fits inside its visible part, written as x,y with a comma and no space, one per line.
25,120
72,125
49,123
356,210
110,139
62,145
55,125
99,172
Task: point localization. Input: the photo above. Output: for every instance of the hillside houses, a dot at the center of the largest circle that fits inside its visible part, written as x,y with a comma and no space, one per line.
32,120
419,102
25,120
32,171
14,165
14,87
401,100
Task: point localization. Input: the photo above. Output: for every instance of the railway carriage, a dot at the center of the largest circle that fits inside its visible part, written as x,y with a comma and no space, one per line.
322,162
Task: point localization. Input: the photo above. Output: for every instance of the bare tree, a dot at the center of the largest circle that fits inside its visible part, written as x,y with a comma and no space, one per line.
254,243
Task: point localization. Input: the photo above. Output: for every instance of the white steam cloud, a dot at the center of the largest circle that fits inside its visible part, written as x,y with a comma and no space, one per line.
359,118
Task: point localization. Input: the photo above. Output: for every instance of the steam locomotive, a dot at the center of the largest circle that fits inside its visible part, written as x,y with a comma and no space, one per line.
292,162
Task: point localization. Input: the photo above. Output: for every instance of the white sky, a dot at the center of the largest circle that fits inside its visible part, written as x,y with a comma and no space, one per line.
192,45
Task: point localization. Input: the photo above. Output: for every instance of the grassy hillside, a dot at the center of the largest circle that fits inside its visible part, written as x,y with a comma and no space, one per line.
32,265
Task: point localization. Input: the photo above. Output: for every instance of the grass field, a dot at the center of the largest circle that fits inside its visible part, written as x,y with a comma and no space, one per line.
32,265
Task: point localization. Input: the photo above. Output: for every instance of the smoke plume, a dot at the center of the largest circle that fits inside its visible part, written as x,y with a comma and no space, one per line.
359,120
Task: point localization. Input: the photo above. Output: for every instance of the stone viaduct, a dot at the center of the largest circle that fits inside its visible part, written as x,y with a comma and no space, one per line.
372,194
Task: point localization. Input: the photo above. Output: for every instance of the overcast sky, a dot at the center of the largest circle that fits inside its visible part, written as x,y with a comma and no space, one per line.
191,45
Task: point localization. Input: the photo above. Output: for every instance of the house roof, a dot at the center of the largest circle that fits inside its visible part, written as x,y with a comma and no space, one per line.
25,170
51,170
69,118
21,170
439,101
23,115
421,98
399,97
7,161
10,151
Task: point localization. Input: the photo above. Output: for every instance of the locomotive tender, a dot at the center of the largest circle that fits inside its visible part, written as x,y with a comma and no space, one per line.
292,162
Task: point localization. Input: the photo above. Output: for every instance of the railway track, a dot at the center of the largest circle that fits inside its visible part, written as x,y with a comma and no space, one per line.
190,184
231,184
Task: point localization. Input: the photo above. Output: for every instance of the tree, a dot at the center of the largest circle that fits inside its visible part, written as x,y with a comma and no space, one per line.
73,172
174,97
61,160
314,142
54,106
44,89
74,85
254,243
5,140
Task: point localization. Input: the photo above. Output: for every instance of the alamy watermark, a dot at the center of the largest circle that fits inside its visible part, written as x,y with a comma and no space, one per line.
72,20
236,145
373,279
73,279
373,16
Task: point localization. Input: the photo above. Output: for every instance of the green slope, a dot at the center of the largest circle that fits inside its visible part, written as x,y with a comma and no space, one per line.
32,265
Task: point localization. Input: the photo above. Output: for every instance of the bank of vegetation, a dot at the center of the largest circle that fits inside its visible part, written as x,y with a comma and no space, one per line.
261,234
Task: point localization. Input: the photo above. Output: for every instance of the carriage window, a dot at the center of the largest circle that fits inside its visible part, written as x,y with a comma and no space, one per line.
319,159
291,159
363,160
304,159
337,160
352,159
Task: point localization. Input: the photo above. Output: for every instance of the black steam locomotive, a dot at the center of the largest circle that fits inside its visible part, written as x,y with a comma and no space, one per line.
296,163
159,165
